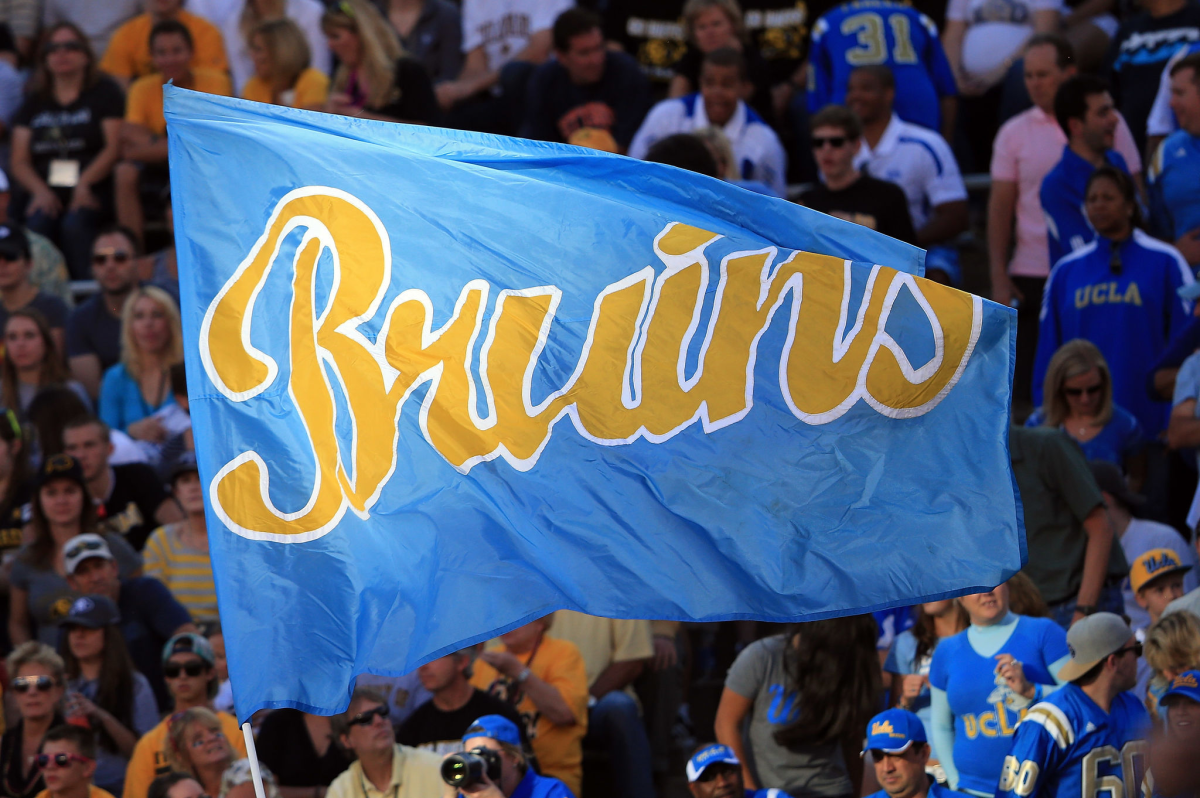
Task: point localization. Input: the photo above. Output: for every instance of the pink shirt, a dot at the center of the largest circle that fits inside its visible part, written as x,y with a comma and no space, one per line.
1027,147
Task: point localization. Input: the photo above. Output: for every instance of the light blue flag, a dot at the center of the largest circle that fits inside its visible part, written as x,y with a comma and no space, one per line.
444,383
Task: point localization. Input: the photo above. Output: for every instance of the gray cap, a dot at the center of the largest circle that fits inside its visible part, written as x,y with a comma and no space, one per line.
1091,640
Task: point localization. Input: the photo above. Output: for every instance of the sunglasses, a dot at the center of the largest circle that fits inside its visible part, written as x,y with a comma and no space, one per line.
365,718
100,258
172,669
65,47
80,548
1136,648
22,684
837,142
1089,390
60,760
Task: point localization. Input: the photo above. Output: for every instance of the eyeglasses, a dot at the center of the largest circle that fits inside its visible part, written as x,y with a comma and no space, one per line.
100,258
22,684
837,142
82,546
65,47
204,738
1136,648
365,718
172,669
60,760
1087,390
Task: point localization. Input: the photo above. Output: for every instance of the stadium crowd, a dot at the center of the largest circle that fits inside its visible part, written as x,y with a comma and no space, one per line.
1085,117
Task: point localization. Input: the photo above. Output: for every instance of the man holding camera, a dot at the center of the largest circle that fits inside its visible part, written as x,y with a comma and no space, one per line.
492,765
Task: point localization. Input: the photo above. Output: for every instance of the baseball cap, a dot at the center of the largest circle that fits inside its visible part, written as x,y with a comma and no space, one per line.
894,730
84,547
183,464
189,643
13,242
1091,640
61,466
1185,685
713,754
92,612
497,727
1153,564
1109,478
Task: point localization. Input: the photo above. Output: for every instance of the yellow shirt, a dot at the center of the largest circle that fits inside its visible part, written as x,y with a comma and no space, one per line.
148,762
559,749
128,53
144,105
93,792
415,774
310,90
603,641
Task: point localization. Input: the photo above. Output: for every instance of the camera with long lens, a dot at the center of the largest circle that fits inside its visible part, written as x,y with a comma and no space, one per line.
467,768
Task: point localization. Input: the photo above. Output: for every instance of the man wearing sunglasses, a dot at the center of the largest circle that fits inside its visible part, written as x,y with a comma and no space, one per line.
382,767
192,681
899,750
1090,734
67,762
94,328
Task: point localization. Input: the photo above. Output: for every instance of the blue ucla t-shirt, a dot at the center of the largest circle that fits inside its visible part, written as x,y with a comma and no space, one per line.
982,704
1121,438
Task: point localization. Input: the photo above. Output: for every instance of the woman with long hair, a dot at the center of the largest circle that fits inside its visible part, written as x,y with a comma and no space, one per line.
62,509
980,680
1172,647
1078,398
104,687
375,78
32,361
809,693
151,342
37,682
282,74
196,744
65,141
912,653
239,26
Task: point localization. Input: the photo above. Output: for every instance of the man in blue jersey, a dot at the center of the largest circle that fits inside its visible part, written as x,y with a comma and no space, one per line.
1175,168
885,33
1085,111
714,771
899,750
1090,734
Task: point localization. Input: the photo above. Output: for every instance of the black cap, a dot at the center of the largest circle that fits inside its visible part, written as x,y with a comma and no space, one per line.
184,464
61,466
1109,478
92,612
13,242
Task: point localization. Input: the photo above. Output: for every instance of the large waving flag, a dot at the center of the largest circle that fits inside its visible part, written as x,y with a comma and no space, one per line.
445,383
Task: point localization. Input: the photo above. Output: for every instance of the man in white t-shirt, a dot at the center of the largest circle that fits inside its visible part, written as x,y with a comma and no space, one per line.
503,41
919,161
756,149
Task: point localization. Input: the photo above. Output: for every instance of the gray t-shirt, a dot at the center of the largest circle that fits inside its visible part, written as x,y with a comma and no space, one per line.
811,771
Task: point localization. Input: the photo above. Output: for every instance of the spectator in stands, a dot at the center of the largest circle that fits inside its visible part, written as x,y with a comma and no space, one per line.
517,776
1162,121
756,148
1078,399
1084,110
161,269
68,763
61,509
187,662
614,653
66,139
807,692
150,615
175,785
1175,167
1074,560
32,361
982,44
545,680
144,133
239,27
587,89
431,31
900,750
38,684
16,290
980,681
177,554
104,687
48,413
1119,292
98,21
912,652
382,768
138,386
49,271
919,161
918,63
685,151
300,750
197,744
844,191
712,25
1141,48
130,53
1173,771
438,724
375,79
15,487
714,771
94,327
282,74
1172,646
504,43
1156,577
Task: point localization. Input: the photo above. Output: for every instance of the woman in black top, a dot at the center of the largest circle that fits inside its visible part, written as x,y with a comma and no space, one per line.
37,683
64,144
300,751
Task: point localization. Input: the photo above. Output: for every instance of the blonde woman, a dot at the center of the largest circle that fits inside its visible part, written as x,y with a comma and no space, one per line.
247,15
376,79
138,386
282,75
1078,398
710,25
196,744
1172,646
